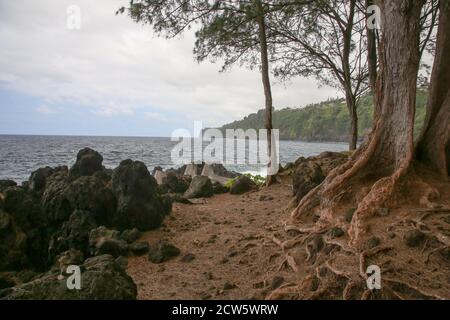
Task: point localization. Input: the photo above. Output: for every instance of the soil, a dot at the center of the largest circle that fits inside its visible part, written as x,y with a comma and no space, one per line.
231,249
226,247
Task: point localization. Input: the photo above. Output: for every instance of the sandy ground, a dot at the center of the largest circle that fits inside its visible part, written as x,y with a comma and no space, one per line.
230,237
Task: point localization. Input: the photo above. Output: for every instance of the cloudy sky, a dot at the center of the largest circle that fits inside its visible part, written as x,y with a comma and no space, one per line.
114,77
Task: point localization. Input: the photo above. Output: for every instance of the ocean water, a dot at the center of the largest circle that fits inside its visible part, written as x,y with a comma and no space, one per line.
21,155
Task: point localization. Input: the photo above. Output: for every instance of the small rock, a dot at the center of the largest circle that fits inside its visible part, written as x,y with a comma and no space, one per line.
162,251
113,247
373,242
414,238
277,281
205,296
336,232
242,185
188,257
139,248
229,286
130,235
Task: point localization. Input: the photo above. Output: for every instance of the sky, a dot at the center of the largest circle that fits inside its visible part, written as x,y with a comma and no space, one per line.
115,77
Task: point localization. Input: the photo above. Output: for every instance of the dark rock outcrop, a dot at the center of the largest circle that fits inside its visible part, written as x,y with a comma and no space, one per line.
138,203
38,178
102,278
310,172
88,162
306,177
174,183
200,187
74,233
4,184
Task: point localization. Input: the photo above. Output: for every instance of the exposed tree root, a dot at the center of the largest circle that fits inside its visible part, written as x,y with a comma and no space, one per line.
336,266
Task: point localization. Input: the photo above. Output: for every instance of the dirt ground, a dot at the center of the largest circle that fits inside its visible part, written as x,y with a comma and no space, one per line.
235,255
231,239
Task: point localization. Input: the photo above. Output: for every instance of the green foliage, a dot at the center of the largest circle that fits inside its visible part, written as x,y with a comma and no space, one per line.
326,121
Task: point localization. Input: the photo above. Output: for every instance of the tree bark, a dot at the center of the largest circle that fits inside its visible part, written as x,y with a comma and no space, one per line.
434,144
353,133
396,89
266,84
372,58
350,99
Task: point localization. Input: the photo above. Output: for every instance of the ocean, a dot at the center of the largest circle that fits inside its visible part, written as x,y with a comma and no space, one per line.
20,155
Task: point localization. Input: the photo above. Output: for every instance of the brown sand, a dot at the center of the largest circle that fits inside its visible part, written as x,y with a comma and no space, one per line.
231,238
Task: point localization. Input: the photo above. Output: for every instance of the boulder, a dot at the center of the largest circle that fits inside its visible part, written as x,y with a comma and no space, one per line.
88,162
414,238
53,201
38,178
93,195
242,185
219,188
200,187
130,235
139,248
193,170
13,243
217,170
74,233
162,251
68,258
138,203
159,176
328,160
4,184
174,183
102,278
106,241
306,177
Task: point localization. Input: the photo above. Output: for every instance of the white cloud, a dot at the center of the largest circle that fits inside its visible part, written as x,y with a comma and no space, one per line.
112,66
156,116
46,110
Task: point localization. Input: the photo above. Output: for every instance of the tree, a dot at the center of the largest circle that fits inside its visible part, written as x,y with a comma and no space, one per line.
382,175
327,40
434,145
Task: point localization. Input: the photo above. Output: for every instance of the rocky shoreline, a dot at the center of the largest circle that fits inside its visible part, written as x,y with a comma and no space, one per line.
93,217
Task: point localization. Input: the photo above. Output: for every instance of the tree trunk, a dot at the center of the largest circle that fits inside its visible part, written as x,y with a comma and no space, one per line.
396,89
353,133
266,84
372,58
350,99
434,145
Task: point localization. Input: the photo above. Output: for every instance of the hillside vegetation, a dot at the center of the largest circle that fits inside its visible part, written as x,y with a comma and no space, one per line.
325,121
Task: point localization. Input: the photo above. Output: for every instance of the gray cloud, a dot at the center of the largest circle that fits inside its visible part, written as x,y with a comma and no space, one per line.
112,66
